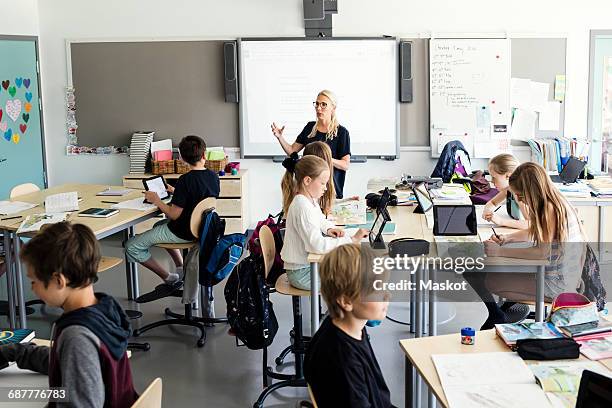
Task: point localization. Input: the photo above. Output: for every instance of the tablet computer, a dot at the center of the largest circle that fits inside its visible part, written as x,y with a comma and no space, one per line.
376,231
98,212
422,196
157,184
454,220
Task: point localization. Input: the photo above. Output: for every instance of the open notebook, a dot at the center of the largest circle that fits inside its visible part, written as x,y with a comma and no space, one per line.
488,380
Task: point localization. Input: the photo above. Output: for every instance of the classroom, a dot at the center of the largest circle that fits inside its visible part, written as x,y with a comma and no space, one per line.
305,203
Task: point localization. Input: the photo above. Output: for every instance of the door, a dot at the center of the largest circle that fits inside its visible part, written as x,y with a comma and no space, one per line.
21,127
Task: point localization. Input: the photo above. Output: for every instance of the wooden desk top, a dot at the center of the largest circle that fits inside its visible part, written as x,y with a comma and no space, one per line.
419,352
89,199
407,224
174,176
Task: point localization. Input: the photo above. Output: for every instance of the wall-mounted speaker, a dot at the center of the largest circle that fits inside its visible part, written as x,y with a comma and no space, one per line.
405,71
230,71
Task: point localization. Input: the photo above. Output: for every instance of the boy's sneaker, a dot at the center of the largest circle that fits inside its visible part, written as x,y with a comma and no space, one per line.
161,291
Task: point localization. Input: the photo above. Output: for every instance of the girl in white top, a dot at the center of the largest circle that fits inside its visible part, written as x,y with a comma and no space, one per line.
307,230
556,235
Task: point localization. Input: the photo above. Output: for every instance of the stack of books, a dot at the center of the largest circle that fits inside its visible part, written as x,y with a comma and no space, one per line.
601,186
511,332
139,151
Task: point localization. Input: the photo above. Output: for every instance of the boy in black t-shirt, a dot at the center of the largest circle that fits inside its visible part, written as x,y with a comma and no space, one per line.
340,365
191,188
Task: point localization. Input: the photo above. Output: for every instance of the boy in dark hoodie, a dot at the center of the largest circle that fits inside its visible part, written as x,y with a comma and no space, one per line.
89,341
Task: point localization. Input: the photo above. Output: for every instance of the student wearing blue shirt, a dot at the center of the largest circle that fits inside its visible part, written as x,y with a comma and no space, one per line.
325,129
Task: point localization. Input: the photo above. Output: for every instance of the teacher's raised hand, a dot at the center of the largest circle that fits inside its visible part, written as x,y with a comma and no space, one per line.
277,131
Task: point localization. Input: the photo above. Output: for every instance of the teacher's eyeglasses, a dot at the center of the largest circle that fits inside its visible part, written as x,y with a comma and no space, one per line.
322,105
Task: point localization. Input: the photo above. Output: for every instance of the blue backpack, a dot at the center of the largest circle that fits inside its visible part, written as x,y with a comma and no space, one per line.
219,253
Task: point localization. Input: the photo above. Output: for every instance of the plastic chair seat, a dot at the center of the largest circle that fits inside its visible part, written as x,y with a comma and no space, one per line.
284,287
186,245
107,262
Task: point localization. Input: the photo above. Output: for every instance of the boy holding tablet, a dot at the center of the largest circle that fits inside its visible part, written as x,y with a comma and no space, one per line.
191,188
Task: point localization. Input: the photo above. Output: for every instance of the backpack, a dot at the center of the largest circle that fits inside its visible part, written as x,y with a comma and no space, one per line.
249,309
276,225
447,162
591,285
219,253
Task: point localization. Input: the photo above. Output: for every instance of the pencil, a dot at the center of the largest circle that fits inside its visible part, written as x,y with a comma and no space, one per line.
498,208
110,202
11,218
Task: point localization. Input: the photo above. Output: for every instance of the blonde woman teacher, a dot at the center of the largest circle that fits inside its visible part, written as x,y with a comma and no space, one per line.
325,129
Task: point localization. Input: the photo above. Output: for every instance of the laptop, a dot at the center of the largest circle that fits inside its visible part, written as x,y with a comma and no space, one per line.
570,172
595,391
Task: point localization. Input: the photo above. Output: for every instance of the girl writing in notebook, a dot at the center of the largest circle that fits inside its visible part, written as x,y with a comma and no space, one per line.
500,168
555,235
307,230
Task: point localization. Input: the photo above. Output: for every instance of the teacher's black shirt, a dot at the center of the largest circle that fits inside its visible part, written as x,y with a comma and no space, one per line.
340,146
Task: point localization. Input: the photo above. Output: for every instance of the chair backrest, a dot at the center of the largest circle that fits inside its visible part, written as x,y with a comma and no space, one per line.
311,395
23,189
151,397
196,215
268,248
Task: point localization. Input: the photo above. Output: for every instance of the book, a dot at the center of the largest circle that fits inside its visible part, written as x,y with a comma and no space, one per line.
98,212
488,380
596,346
133,204
584,329
33,222
560,380
62,202
8,336
511,332
349,212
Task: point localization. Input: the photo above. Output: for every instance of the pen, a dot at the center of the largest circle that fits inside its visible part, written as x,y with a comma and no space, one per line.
498,208
110,202
11,218
496,235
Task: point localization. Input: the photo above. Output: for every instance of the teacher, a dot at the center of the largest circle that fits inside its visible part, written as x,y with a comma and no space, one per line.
325,129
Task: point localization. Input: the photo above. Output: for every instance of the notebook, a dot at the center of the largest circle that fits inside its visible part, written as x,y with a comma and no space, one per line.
511,332
8,336
488,380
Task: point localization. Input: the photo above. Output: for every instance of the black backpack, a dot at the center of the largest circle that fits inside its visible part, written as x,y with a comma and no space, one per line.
249,309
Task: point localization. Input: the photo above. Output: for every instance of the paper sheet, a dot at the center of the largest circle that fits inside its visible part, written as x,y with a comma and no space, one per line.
165,144
134,204
549,115
523,125
490,148
62,202
520,93
500,124
497,396
502,213
539,95
559,88
13,207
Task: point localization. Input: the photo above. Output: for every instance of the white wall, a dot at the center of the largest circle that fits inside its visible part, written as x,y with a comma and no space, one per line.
19,17
75,19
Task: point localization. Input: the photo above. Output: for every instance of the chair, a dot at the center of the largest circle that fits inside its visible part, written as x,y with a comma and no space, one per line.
188,319
298,348
151,397
23,189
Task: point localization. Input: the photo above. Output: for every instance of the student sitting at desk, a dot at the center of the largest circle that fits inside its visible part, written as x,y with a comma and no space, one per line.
191,188
89,341
340,365
325,129
307,230
557,236
501,168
